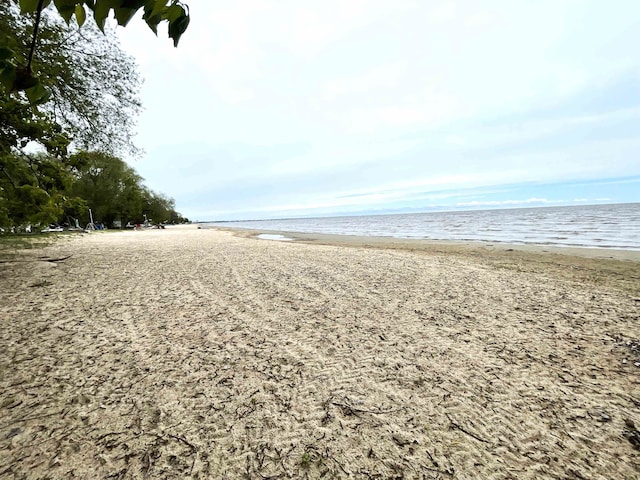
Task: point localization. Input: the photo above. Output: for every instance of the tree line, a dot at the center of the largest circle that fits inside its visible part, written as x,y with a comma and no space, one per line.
68,105
41,189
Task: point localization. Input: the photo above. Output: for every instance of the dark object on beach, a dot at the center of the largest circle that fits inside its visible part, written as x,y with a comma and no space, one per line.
632,434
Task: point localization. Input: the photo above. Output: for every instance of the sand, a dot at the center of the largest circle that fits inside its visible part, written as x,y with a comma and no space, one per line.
198,353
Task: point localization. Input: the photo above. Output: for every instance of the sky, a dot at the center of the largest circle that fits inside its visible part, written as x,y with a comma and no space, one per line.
279,108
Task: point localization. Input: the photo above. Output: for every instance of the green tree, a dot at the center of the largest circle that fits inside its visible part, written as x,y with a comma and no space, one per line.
157,206
115,191
110,187
92,101
33,189
61,86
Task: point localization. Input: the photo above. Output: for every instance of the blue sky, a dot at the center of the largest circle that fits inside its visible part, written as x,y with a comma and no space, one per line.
272,108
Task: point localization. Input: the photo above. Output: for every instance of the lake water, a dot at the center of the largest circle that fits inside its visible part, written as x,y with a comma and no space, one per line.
603,226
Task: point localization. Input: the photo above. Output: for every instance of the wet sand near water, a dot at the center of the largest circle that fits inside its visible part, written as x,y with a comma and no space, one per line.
202,353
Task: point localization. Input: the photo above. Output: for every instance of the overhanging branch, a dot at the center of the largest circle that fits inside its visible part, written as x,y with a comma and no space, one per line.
35,33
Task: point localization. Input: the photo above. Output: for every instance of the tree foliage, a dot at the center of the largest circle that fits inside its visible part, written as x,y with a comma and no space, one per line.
92,84
115,191
40,189
16,69
33,189
73,87
21,124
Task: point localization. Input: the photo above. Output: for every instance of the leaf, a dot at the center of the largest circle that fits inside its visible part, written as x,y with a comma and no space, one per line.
177,28
8,77
153,14
81,15
158,7
66,8
6,53
100,13
153,23
123,15
38,94
173,12
178,23
28,6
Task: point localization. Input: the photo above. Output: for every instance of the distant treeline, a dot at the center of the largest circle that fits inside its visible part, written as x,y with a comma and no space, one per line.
40,189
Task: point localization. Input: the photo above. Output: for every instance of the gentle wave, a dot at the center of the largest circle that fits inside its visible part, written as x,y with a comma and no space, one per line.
601,226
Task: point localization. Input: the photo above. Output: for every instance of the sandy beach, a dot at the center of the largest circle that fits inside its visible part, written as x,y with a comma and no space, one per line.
202,353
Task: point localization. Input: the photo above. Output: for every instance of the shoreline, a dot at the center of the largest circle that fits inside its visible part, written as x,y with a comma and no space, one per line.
413,244
607,227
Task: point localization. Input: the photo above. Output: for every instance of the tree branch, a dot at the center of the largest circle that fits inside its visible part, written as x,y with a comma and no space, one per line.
35,34
30,162
6,174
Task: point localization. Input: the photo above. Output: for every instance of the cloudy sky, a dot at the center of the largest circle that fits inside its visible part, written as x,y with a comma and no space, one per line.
272,108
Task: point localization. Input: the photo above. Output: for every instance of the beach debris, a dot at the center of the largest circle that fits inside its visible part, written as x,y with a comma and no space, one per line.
13,432
457,426
401,440
631,433
349,409
39,259
53,260
10,403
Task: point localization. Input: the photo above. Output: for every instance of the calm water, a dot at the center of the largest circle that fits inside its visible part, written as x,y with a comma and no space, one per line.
604,226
